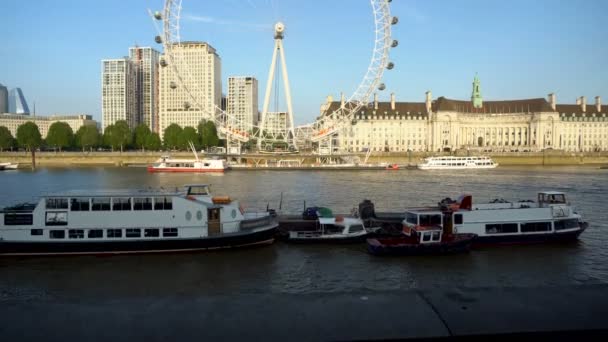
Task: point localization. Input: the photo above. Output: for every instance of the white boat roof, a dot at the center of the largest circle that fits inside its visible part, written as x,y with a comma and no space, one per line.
116,193
552,192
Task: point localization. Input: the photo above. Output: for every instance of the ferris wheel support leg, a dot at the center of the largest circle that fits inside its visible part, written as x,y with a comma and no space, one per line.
268,90
287,92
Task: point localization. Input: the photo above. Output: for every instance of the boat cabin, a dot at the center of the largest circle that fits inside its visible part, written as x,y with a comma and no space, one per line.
551,197
340,225
424,225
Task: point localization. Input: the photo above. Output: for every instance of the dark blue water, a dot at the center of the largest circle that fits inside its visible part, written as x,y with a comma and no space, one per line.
309,269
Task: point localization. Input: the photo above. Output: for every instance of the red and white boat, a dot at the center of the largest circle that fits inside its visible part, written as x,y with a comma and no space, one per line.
168,164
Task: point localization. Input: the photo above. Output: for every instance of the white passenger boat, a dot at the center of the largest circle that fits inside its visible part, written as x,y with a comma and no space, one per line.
168,164
8,166
131,222
331,229
450,162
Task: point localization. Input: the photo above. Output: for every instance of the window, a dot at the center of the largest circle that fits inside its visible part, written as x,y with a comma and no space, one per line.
163,203
151,233
170,232
76,234
121,204
36,232
95,233
12,219
411,218
57,234
436,236
426,237
430,220
101,204
142,204
79,204
501,228
133,233
535,227
59,218
566,224
114,233
56,203
356,228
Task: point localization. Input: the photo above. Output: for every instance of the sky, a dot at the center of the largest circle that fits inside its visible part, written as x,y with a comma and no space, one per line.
519,48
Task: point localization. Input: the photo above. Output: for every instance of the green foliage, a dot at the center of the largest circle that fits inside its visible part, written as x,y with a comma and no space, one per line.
28,136
6,139
208,133
188,134
172,136
60,135
108,137
153,142
141,134
87,136
123,134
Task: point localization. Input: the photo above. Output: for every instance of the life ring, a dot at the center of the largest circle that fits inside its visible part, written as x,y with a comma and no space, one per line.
455,230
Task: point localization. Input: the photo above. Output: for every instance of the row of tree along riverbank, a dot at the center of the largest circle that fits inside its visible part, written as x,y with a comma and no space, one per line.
69,159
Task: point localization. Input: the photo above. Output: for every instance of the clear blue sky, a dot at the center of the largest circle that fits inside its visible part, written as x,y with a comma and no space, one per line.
520,48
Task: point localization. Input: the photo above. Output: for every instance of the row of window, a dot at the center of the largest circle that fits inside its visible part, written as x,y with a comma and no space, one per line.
509,228
110,233
111,203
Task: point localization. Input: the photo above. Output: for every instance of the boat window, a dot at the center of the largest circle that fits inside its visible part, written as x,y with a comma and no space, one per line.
76,234
566,224
198,190
101,204
56,203
57,234
36,232
119,204
536,227
57,218
151,233
170,232
79,204
11,219
430,220
436,236
95,233
356,228
163,203
114,233
133,232
458,219
426,237
142,203
501,228
411,218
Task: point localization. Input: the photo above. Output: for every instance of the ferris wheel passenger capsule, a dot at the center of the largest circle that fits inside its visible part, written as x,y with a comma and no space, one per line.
158,16
382,86
394,21
390,65
187,105
395,43
173,85
163,62
158,39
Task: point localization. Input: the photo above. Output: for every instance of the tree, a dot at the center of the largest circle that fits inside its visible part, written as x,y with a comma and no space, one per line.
87,136
60,135
153,142
141,134
6,139
109,137
123,134
188,135
28,137
208,134
172,136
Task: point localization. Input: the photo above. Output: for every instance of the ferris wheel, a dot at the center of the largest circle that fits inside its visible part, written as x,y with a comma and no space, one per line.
330,122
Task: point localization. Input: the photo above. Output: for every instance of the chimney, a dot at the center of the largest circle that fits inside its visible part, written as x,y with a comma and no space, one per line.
375,101
341,100
584,103
393,101
598,104
578,101
429,101
552,101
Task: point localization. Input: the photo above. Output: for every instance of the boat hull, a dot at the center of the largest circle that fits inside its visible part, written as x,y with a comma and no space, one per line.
527,239
326,239
244,239
183,169
461,243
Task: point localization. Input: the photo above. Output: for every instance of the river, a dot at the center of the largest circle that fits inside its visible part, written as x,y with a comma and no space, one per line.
298,269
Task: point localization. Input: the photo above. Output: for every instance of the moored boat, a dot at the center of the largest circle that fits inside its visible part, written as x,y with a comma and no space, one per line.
8,166
455,163
168,164
131,222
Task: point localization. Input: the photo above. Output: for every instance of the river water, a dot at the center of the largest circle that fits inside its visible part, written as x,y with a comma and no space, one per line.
283,268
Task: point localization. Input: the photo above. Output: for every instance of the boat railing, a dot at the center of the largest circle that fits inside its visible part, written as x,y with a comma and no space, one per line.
19,208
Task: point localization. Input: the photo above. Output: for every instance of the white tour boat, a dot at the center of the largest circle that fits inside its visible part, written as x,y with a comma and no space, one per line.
8,166
331,229
167,164
551,218
131,222
450,162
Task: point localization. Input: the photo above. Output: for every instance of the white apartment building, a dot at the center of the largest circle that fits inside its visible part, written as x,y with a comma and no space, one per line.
13,121
242,101
145,61
276,123
200,68
118,97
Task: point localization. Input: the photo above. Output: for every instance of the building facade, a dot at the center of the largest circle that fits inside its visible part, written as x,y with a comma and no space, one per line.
17,103
242,101
145,61
199,66
4,108
118,92
13,121
443,124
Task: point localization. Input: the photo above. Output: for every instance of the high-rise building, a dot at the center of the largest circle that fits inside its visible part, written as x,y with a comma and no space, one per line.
17,103
118,85
3,99
243,101
145,61
199,66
